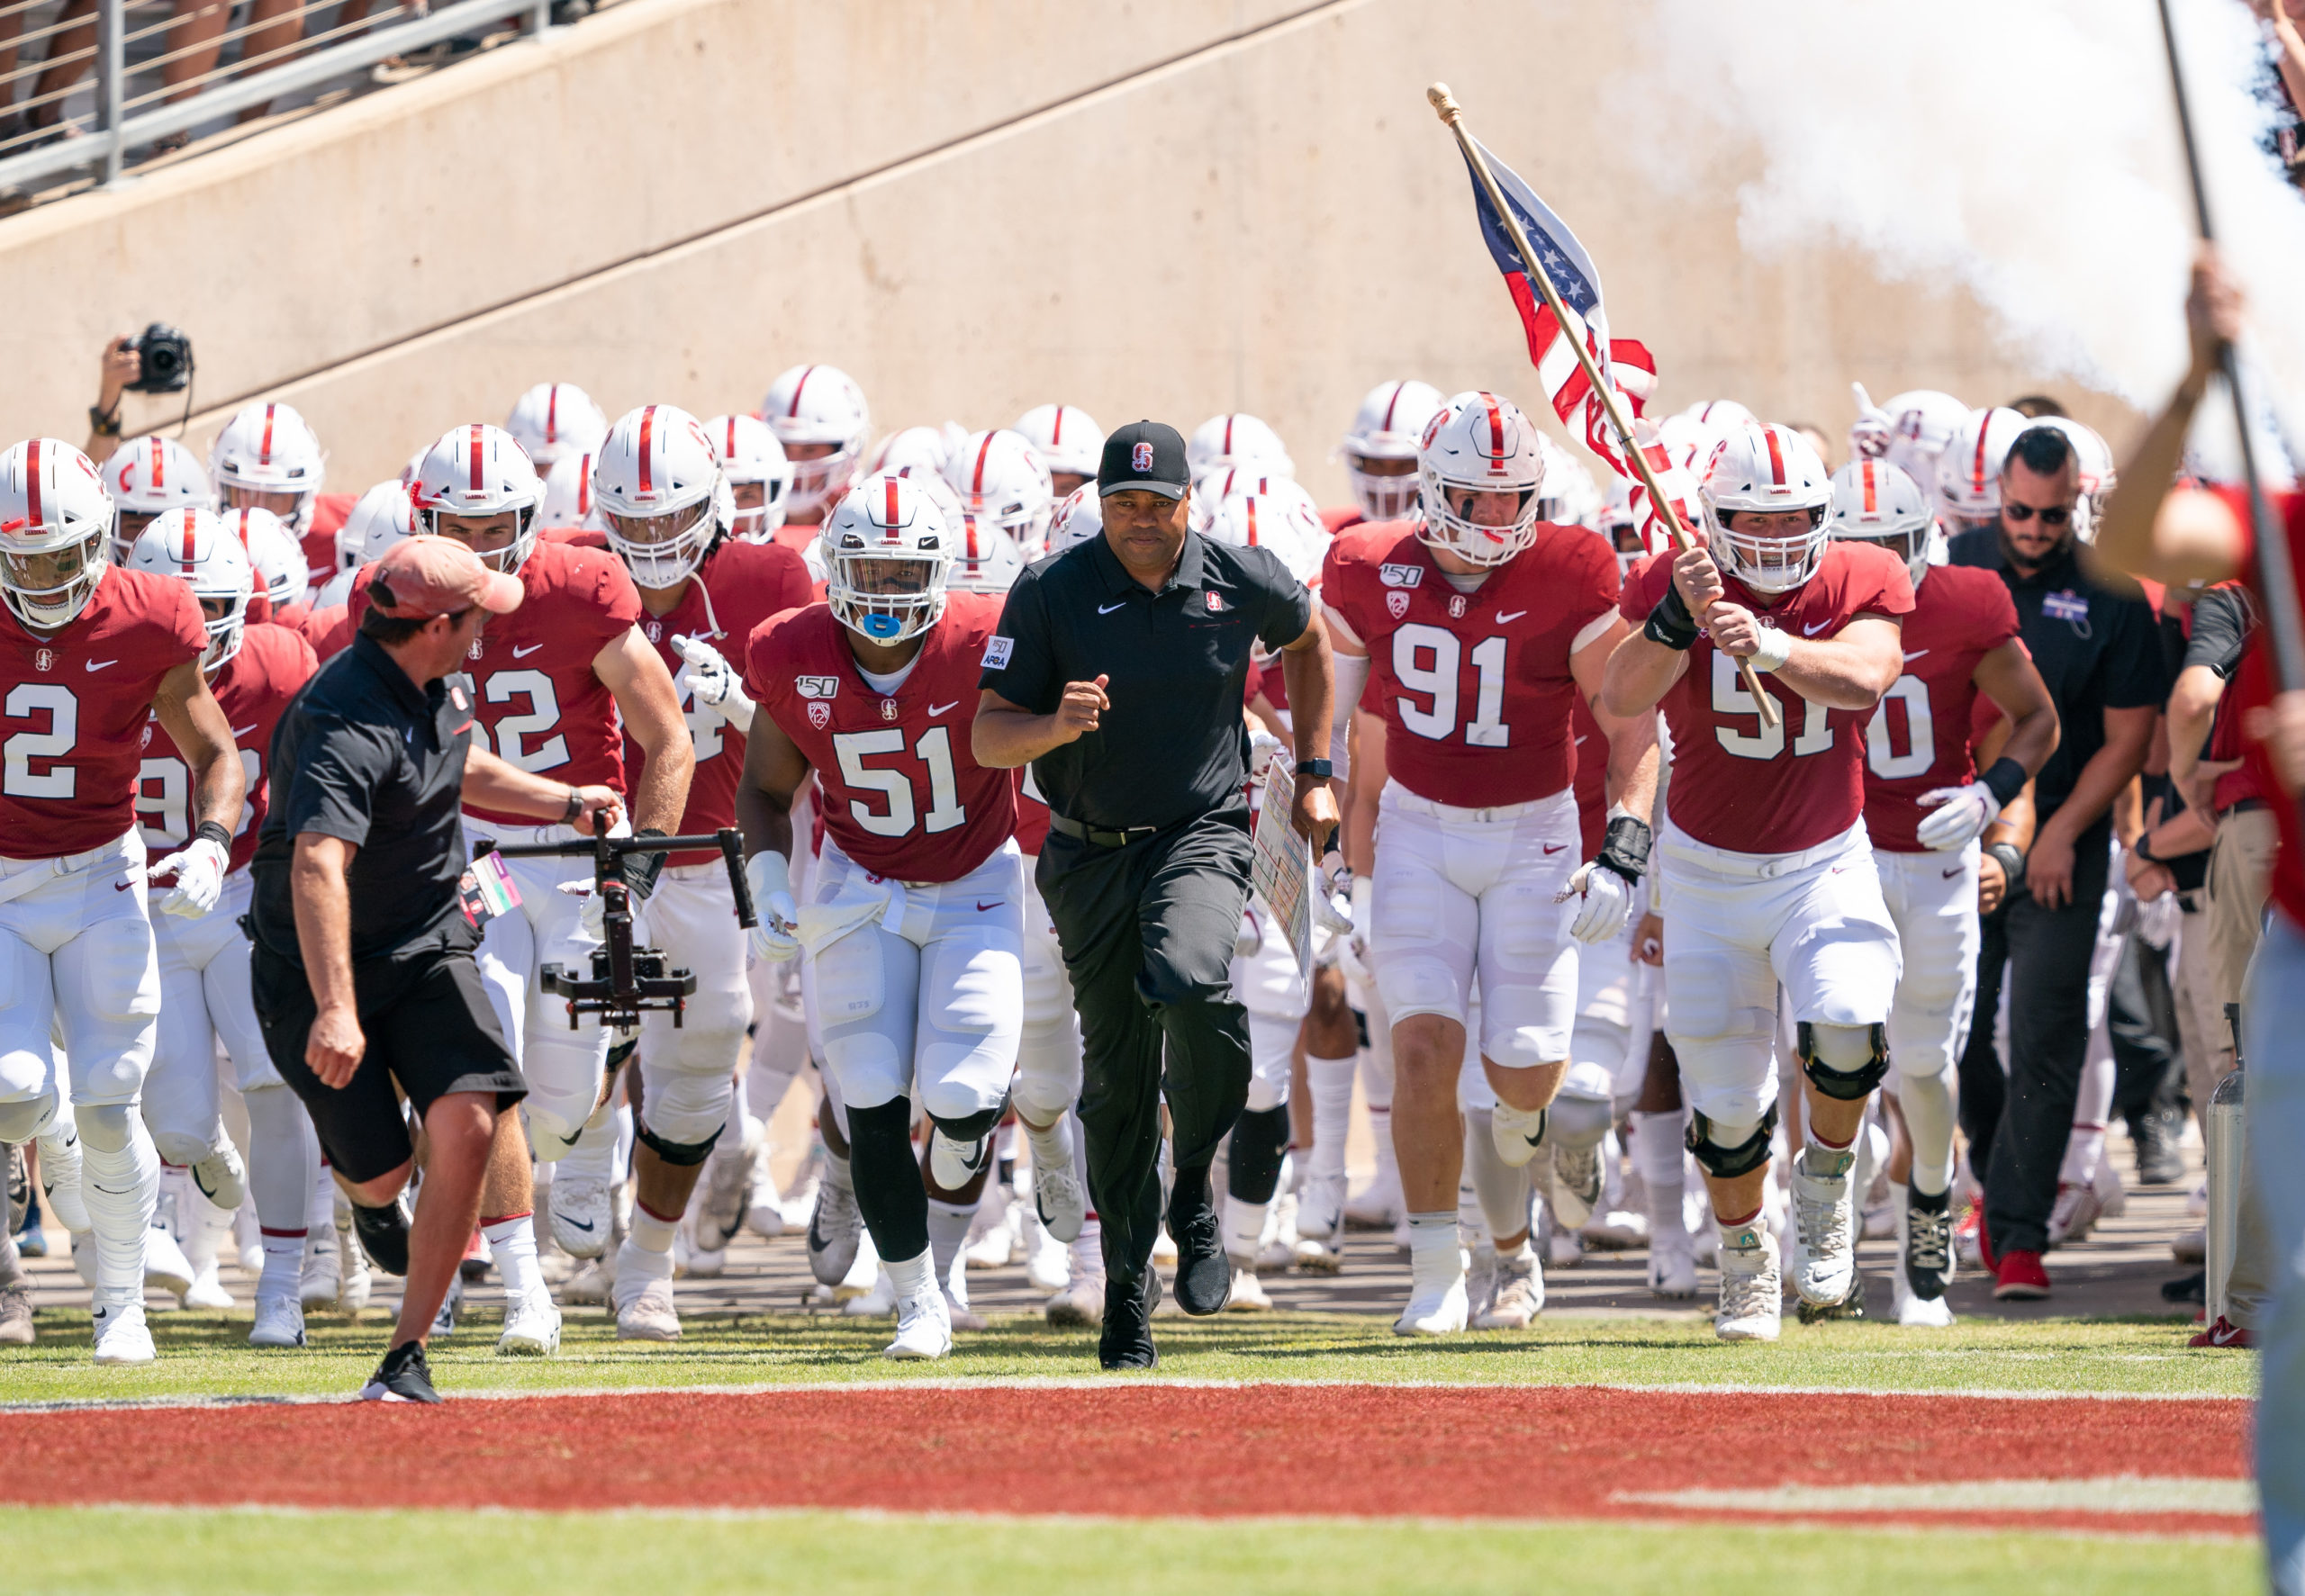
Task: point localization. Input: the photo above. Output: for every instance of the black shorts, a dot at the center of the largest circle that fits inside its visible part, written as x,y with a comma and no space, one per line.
430,1027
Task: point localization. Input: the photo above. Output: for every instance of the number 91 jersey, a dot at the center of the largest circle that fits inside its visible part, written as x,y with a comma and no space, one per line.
1753,789
1474,688
903,795
1918,737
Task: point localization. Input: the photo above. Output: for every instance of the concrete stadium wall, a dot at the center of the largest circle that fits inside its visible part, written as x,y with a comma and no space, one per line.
1143,207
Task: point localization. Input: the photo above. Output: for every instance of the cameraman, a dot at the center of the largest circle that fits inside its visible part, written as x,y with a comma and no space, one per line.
121,370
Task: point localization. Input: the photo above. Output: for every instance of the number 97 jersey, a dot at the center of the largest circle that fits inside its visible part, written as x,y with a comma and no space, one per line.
903,795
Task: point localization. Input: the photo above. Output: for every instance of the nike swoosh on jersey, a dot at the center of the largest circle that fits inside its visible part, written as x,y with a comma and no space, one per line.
1504,619
121,886
1915,654
1810,631
242,731
1954,871
937,709
1108,609
522,653
100,664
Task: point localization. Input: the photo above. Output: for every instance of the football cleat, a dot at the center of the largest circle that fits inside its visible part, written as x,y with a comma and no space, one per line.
222,1177
15,1315
1248,1295
1914,1309
1317,1255
532,1326
1319,1208
279,1322
1377,1206
924,1322
764,1208
873,1299
1574,1191
1924,1247
20,1188
583,1214
401,1377
165,1268
1824,1221
1752,1288
121,1336
592,1285
997,1240
954,1163
1434,1311
2224,1333
957,1312
1048,1262
324,1273
1081,1305
725,1197
444,1318
834,1231
1517,1292
59,1177
647,1313
1518,1134
1672,1265
1059,1200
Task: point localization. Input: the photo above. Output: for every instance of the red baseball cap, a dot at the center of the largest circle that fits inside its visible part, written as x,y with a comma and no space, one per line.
423,577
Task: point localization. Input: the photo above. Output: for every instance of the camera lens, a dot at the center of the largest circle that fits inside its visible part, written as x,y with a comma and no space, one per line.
167,355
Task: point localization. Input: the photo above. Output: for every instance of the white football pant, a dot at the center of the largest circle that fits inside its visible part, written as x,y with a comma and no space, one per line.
1048,1052
1268,984
688,1071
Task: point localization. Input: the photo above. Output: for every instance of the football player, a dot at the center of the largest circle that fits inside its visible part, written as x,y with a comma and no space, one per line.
1069,439
1767,877
253,670
1925,807
820,416
759,476
266,458
915,929
148,477
659,484
556,422
1479,627
1380,452
89,656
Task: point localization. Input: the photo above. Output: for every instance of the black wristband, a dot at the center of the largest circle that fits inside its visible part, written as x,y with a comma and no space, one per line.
2005,780
1670,622
1626,848
2143,849
215,832
105,423
641,869
2013,864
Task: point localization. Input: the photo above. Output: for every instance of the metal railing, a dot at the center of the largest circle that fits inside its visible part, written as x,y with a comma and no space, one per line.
116,80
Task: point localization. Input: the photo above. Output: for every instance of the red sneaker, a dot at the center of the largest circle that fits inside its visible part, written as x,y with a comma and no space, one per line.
1986,1255
2023,1278
2223,1333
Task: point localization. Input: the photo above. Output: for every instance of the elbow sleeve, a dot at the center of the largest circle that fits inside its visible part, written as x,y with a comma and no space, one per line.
1352,673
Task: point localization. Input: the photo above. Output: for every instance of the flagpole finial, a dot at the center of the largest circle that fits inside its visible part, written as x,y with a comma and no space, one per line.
1444,102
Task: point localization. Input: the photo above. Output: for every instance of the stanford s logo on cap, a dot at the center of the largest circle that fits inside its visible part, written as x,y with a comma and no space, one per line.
1140,458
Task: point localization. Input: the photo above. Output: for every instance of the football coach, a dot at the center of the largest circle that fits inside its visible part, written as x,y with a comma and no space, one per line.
363,973
1118,674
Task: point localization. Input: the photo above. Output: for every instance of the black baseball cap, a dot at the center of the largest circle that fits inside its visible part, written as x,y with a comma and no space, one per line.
1147,454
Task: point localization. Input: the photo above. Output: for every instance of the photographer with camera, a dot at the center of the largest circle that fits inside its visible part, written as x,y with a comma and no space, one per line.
158,360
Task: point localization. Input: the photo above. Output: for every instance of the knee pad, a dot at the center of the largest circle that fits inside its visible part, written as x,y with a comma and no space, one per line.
1579,1123
104,1127
1259,1144
684,1106
680,1155
22,1121
971,1127
182,1149
1723,1158
1844,1062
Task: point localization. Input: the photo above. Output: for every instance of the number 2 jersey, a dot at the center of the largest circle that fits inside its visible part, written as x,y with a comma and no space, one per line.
901,792
1920,735
253,687
1753,789
75,704
1474,688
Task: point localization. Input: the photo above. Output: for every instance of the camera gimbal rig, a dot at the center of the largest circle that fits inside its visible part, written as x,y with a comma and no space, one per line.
625,978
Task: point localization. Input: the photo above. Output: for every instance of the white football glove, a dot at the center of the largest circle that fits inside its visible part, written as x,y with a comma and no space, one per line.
715,682
1961,814
199,868
777,937
1263,746
1604,902
1332,898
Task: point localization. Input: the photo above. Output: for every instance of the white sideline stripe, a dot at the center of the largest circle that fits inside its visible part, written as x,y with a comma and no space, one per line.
1105,1383
2113,1495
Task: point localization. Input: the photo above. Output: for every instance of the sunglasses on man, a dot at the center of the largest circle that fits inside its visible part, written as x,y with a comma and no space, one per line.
2054,516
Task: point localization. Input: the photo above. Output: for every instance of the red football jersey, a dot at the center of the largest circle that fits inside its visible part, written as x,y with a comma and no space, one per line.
328,630
253,688
899,787
1032,814
739,587
1337,518
1919,737
1751,789
329,512
72,722
1474,688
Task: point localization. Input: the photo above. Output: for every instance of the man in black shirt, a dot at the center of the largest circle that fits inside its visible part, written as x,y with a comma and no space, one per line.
363,973
1119,674
2094,639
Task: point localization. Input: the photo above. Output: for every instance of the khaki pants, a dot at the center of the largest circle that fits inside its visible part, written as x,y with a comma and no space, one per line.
2206,1040
2241,875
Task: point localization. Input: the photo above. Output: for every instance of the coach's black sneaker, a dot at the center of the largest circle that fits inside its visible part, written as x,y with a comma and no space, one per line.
384,1234
2156,1133
1204,1275
1127,1340
401,1377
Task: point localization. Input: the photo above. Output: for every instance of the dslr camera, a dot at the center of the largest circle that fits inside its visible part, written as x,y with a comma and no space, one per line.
166,353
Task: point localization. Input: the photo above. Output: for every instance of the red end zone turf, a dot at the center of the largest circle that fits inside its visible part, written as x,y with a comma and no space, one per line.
1557,1452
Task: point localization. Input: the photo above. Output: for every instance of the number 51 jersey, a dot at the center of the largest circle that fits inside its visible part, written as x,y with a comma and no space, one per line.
903,795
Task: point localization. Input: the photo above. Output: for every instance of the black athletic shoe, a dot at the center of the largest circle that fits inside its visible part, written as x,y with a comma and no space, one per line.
384,1234
1126,1342
2187,1288
401,1377
1851,1306
1204,1274
2157,1132
1929,1242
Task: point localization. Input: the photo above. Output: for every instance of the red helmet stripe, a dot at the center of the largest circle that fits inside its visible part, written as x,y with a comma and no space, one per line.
1392,404
35,515
891,516
1253,523
552,414
648,436
976,480
1871,502
1056,432
807,372
189,526
1496,435
731,450
1977,466
1228,437
159,466
264,449
1776,454
475,468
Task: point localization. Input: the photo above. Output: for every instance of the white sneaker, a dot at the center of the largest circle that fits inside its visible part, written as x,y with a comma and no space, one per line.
1249,1295
764,1208
279,1322
1080,1304
222,1177
1377,1206
59,1177
997,1245
1061,1200
323,1272
1434,1310
1318,1255
592,1285
359,1282
646,1311
1926,1313
879,1298
834,1231
207,1293
1518,1134
1672,1265
1518,1293
1575,1187
583,1214
1564,1249
724,1195
444,1321
1752,1289
122,1335
924,1324
165,1268
15,1315
955,1164
1280,1248
1617,1230
532,1326
1048,1262
958,1314
1320,1207
1824,1234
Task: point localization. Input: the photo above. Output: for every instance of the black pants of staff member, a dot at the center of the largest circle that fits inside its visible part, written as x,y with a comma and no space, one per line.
1147,931
2050,950
1985,1079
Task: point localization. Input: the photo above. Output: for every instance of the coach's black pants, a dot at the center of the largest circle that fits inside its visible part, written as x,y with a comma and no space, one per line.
2050,950
1148,931
1985,1079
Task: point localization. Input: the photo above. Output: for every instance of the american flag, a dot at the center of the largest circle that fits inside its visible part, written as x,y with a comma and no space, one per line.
1624,363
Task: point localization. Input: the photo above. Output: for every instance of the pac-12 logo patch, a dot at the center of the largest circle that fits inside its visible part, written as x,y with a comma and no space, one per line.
1397,602
820,714
816,686
1400,576
1140,458
997,649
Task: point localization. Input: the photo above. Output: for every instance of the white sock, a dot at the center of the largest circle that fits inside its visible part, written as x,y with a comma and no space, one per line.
121,1188
512,1246
652,1240
1388,1167
283,1265
1930,1113
1330,1081
2083,1151
1052,1148
1434,1258
1245,1227
912,1277
948,1227
320,1198
837,1169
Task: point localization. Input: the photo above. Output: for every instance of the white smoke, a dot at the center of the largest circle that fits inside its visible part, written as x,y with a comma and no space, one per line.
2028,153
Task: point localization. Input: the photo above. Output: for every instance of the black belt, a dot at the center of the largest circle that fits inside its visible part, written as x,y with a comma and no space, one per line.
2248,805
1103,839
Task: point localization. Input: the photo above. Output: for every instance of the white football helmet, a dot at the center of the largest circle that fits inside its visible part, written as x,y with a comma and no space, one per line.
478,469
1289,526
887,554
1281,490
380,518
750,457
55,524
2097,476
1910,432
910,447
195,546
940,492
1236,439
147,477
568,498
1388,426
1483,443
985,558
657,484
1874,502
1768,470
554,420
1968,472
1722,415
1210,493
1078,518
812,405
408,473
1001,477
1067,436
274,551
267,448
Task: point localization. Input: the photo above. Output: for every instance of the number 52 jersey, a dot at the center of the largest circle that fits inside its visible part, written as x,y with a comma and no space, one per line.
903,795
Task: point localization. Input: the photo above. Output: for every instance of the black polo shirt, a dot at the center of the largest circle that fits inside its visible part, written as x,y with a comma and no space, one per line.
365,754
1173,744
2096,643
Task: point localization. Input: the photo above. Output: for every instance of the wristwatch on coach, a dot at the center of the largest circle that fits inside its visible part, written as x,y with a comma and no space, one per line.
1320,770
